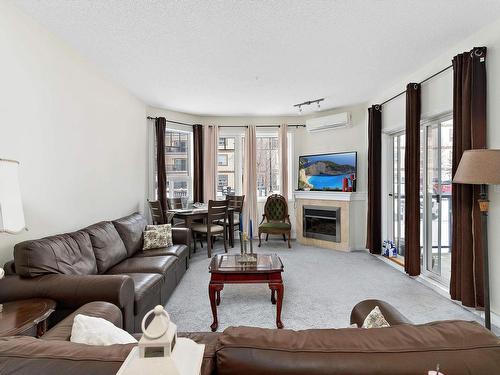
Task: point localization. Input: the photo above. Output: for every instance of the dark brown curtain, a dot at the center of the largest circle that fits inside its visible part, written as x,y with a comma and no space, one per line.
469,132
198,163
412,180
161,171
374,217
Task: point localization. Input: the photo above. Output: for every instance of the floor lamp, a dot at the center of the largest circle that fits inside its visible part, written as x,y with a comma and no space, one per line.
481,167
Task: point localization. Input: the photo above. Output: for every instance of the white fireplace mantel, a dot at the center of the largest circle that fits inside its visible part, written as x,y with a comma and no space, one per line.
330,195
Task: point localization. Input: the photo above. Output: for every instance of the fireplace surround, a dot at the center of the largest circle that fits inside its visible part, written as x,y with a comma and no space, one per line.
349,209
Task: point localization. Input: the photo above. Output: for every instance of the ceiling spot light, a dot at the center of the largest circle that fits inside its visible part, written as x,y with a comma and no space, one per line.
309,102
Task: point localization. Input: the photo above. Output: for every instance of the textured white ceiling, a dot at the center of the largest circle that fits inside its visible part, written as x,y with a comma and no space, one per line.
259,57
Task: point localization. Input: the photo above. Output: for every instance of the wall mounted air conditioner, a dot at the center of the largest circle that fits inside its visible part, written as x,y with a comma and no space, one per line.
339,120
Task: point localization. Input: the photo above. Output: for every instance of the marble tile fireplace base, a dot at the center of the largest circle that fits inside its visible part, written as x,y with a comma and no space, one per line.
352,218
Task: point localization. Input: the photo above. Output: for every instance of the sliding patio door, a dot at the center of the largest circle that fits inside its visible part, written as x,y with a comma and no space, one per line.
436,141
437,190
398,194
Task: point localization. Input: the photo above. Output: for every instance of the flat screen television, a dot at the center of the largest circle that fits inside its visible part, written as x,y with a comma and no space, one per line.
328,172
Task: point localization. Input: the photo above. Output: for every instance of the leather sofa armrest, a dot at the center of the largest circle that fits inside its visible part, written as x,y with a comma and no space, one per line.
62,330
73,291
181,236
363,308
28,355
10,268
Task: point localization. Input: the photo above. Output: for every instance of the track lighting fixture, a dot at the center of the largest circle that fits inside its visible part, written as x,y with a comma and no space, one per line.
309,102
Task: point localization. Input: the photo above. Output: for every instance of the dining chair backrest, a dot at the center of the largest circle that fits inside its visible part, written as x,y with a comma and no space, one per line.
174,203
217,211
235,202
156,212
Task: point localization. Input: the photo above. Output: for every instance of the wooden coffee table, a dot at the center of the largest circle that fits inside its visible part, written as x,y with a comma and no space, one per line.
26,317
225,269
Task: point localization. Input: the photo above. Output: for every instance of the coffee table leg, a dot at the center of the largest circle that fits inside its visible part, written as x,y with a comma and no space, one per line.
273,296
213,290
218,298
278,287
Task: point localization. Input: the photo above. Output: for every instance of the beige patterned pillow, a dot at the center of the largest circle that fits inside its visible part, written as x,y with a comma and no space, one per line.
156,236
375,319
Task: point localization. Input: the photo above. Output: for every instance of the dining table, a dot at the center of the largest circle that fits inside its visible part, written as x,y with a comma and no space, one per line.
190,215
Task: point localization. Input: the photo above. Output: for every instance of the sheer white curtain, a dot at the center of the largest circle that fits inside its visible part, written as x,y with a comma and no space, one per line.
283,152
211,145
250,180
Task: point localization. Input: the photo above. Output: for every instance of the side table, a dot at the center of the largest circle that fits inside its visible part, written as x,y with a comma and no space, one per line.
26,317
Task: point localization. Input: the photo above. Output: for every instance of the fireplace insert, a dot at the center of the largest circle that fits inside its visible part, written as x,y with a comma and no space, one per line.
321,222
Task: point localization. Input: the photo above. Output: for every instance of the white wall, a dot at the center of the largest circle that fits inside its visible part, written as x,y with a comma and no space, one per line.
80,139
437,98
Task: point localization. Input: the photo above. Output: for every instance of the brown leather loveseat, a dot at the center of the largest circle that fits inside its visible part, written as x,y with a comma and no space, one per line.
103,262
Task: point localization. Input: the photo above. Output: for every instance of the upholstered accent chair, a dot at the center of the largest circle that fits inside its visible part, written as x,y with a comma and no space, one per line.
275,219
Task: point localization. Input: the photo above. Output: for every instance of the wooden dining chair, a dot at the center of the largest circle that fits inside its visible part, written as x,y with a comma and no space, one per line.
174,203
217,213
236,203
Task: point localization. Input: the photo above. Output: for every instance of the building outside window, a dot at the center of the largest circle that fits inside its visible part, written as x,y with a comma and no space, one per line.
178,162
227,182
222,160
268,168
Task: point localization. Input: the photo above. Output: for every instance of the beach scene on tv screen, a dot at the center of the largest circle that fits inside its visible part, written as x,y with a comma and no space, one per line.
330,172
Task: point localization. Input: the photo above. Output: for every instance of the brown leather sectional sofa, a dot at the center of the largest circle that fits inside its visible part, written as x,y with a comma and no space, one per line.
103,262
459,347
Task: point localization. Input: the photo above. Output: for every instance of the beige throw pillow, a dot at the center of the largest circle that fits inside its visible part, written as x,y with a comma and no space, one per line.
156,236
375,319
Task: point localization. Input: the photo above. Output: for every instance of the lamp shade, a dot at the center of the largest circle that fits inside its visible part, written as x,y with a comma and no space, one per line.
479,167
11,206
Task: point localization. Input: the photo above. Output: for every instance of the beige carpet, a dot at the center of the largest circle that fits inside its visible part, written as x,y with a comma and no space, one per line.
321,287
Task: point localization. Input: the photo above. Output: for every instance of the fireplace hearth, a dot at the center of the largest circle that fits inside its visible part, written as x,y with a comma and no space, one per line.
321,222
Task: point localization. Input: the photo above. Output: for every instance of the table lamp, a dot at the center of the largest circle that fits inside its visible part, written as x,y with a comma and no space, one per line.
481,167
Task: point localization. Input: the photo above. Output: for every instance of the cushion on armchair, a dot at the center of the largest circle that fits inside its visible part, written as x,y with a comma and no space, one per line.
275,225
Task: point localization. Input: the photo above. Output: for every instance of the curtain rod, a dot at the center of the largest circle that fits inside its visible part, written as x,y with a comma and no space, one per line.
171,121
425,80
260,126
232,126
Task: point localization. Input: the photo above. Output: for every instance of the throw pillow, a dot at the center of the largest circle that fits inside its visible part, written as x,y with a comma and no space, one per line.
156,236
375,319
98,331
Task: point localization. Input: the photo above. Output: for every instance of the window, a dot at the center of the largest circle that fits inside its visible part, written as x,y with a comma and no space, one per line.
222,160
230,162
226,143
222,183
229,159
178,163
268,168
176,142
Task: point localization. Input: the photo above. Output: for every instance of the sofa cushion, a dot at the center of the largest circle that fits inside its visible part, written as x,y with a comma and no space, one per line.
177,250
160,265
69,254
130,229
147,291
107,244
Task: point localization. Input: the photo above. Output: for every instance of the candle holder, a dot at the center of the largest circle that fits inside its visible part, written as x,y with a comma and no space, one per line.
247,256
